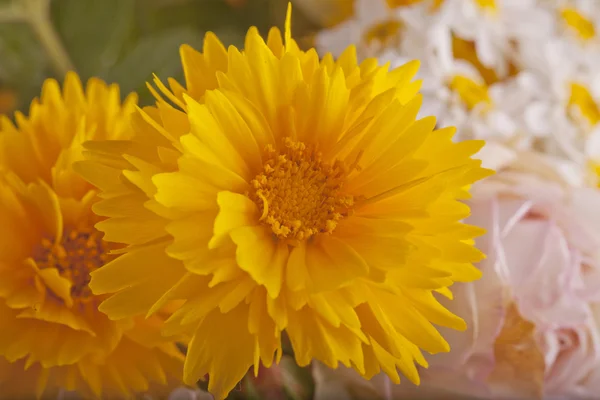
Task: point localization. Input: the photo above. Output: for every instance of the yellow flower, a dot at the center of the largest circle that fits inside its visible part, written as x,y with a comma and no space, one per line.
287,194
52,334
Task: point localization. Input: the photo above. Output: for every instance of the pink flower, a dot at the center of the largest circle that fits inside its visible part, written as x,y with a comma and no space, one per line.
533,319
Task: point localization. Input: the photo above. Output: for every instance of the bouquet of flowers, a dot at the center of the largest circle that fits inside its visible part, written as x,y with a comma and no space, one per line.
395,199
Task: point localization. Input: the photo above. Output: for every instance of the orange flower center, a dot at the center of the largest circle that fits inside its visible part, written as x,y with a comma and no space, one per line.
298,194
75,256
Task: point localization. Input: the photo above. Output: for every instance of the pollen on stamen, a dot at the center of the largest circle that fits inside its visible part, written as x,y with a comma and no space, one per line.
78,253
298,194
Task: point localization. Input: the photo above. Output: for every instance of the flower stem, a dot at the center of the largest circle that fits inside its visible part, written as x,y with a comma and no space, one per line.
37,13
286,345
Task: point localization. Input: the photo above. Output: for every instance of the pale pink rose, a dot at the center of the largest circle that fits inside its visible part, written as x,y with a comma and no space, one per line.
533,319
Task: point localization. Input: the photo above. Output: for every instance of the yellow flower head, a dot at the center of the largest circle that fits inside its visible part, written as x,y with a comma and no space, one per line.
285,193
52,334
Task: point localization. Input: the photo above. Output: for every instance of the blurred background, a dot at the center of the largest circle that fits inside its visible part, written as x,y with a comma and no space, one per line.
122,41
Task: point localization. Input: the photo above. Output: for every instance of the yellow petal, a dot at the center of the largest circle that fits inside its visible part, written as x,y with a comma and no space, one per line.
207,129
259,255
235,211
133,230
312,337
183,192
227,335
331,262
431,309
132,268
234,128
60,286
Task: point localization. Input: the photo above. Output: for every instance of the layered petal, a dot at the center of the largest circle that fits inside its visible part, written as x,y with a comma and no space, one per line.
306,200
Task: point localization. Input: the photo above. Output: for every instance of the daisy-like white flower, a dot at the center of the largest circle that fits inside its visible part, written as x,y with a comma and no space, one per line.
465,85
491,30
327,13
52,336
495,28
577,21
458,94
453,93
372,27
564,98
287,194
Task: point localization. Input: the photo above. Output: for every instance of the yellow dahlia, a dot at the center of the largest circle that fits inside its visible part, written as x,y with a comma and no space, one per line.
52,335
283,193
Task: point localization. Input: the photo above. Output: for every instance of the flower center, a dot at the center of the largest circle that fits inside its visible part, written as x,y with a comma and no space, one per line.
583,101
483,4
299,194
385,32
402,3
582,26
335,12
75,256
594,166
470,92
487,4
465,50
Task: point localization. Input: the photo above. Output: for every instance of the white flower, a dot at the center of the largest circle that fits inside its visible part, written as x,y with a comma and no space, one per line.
577,21
504,122
371,26
523,73
563,94
456,93
325,13
495,27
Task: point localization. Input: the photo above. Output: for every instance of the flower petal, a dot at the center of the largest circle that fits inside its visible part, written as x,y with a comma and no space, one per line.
227,335
261,256
235,211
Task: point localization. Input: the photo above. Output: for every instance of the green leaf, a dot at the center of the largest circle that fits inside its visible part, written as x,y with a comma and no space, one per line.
94,32
23,65
156,53
204,15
